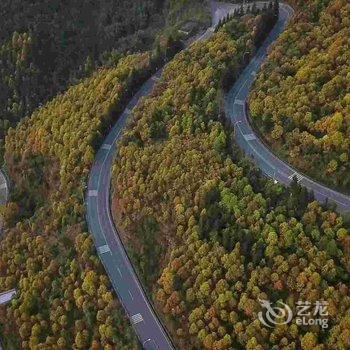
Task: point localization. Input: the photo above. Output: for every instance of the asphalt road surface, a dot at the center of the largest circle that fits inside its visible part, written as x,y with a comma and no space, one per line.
3,189
6,297
4,193
248,140
108,244
111,251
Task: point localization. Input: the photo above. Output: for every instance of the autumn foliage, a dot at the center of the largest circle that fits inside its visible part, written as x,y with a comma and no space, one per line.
301,99
65,300
227,236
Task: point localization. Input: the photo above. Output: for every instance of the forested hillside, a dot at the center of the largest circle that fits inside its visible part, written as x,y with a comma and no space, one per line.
45,46
301,99
208,233
215,233
65,299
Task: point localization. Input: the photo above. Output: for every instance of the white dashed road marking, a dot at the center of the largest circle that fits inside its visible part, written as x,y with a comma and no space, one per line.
137,318
103,249
249,137
240,102
7,296
298,176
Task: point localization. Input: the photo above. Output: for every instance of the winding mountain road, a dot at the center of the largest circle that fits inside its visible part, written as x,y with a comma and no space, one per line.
110,249
109,246
248,140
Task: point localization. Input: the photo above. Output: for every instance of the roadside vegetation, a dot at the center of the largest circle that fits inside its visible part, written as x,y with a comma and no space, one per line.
301,99
65,299
227,236
50,45
210,236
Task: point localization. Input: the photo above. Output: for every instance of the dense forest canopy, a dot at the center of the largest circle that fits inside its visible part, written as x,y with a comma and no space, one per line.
301,99
46,46
215,233
210,236
65,299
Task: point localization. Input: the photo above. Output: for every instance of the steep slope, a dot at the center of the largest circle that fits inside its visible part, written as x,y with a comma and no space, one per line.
220,235
47,46
301,100
65,299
